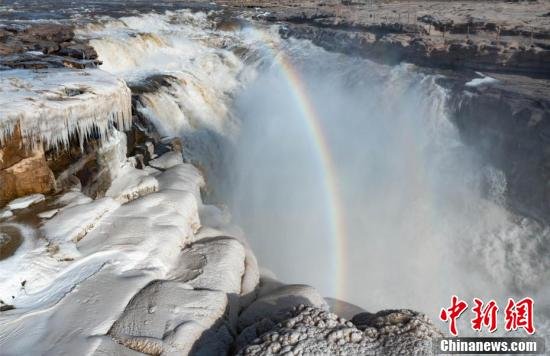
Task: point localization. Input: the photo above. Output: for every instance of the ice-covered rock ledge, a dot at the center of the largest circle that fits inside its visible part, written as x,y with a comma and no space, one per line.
50,105
46,110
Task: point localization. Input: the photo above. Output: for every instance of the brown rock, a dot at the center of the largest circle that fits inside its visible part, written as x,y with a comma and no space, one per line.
77,50
23,170
47,32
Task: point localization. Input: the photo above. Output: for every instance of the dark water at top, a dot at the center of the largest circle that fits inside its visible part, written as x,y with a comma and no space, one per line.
86,10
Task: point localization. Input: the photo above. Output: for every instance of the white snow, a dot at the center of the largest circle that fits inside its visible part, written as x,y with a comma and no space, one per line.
48,214
25,202
4,214
220,254
52,104
167,160
131,184
72,224
117,250
483,81
72,198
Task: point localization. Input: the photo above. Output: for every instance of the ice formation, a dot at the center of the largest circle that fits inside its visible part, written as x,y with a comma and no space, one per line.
101,259
152,254
484,80
24,202
51,105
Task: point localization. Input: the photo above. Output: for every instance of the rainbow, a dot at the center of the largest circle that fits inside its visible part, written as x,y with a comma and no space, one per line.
313,121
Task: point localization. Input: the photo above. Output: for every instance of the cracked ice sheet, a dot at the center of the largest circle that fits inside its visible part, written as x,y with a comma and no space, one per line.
51,104
139,242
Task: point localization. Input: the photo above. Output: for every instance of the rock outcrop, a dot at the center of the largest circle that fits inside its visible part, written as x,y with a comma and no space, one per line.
46,45
508,123
308,330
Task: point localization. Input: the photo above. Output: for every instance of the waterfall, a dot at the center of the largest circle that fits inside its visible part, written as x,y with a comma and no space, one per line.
424,218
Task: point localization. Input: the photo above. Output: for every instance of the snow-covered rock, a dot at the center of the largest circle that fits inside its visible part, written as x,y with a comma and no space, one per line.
484,80
71,225
5,213
169,317
117,251
211,257
48,214
167,160
131,184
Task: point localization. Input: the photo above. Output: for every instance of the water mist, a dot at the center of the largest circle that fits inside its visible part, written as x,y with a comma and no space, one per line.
423,216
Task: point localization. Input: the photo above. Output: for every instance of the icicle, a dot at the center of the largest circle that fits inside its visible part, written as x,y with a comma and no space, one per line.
52,105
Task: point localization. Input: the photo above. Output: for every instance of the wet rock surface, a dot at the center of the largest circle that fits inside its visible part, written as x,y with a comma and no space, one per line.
39,46
10,240
508,122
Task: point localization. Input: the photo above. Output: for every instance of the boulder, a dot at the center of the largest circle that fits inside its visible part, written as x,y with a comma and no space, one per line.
314,331
77,50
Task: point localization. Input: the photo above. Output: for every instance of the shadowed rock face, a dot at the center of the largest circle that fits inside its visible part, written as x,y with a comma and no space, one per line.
508,123
401,46
309,330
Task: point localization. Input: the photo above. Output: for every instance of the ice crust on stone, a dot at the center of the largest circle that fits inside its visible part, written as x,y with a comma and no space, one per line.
5,213
483,81
51,105
71,225
124,278
167,160
25,202
131,184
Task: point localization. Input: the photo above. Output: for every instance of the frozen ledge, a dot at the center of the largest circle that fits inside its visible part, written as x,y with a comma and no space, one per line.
50,105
